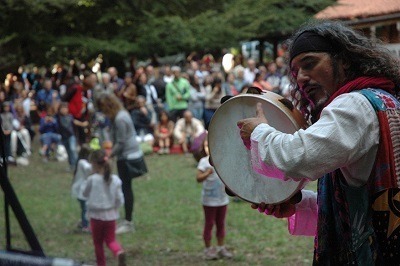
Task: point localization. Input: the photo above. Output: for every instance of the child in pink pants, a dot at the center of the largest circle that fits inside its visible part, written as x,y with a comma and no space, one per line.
103,198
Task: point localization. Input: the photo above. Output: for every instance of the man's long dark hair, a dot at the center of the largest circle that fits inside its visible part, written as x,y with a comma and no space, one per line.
364,56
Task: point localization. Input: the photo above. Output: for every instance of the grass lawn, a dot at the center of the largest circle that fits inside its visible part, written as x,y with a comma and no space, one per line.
168,217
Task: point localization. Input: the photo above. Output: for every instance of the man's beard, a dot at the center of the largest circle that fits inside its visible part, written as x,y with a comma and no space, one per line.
318,106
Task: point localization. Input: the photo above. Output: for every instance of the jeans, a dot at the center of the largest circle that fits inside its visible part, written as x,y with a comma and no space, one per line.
50,138
70,146
85,222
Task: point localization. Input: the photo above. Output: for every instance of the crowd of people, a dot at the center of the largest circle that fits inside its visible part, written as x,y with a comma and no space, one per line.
76,114
170,106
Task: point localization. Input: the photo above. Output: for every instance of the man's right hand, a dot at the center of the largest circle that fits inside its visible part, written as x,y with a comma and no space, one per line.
247,125
281,210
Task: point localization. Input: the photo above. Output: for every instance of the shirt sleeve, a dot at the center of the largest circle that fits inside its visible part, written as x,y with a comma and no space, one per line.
86,187
346,131
120,137
202,166
304,221
186,94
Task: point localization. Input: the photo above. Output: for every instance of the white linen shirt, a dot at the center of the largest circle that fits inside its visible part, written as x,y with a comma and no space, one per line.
346,136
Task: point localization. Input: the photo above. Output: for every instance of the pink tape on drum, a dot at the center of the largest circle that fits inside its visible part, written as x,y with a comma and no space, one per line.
233,162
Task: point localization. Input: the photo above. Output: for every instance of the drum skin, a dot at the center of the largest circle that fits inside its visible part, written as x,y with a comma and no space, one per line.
231,159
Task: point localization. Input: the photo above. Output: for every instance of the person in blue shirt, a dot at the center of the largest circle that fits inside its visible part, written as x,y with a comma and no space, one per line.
47,96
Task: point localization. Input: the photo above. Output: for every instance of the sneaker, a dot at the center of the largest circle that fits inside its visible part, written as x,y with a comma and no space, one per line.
86,230
125,227
161,151
22,161
224,253
121,259
11,159
210,254
166,151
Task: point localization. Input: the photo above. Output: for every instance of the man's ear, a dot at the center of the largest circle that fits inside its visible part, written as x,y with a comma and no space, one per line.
343,65
344,61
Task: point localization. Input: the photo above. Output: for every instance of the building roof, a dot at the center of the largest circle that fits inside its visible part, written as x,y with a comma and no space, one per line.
352,9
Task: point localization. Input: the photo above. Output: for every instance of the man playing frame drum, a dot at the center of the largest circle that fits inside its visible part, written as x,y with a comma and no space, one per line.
347,86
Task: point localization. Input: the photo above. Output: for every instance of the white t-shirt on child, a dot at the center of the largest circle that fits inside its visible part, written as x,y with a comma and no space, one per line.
83,171
213,193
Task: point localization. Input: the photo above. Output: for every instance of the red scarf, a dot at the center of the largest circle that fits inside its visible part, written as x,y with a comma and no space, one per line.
363,83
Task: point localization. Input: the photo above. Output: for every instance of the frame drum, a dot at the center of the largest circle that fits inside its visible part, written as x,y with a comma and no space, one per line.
231,159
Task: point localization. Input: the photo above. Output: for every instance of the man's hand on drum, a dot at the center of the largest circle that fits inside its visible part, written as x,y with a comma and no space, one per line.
247,125
281,210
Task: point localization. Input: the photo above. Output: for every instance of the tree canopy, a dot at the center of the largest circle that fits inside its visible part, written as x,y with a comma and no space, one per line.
49,31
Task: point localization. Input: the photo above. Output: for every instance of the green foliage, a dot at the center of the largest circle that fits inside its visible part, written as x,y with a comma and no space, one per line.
44,31
272,18
84,47
211,31
163,36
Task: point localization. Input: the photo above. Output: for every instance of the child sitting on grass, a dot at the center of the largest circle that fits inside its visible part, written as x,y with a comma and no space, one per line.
103,194
164,132
49,137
